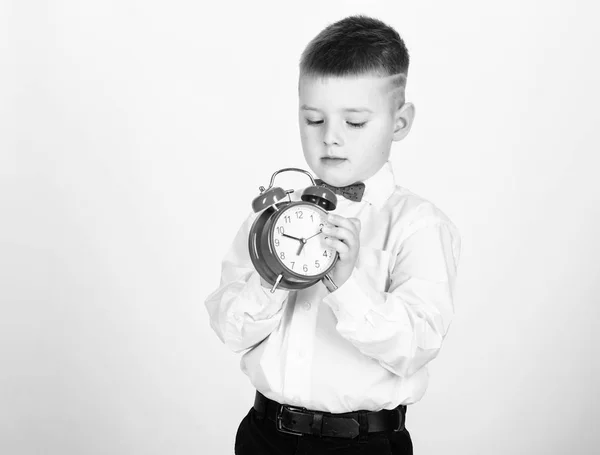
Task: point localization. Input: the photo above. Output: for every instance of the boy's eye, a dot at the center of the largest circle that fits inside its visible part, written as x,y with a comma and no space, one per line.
313,122
356,125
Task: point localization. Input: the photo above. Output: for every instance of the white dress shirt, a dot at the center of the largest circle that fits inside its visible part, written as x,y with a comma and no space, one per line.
365,345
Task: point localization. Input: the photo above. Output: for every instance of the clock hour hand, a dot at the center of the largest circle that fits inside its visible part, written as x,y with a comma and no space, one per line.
306,240
302,242
301,246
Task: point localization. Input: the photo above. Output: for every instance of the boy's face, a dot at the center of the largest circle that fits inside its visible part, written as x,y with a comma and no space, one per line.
347,125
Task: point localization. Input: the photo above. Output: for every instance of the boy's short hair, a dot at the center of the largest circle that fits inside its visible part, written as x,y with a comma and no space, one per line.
357,45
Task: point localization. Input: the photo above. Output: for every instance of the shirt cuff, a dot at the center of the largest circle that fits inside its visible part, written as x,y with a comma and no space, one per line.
348,301
269,302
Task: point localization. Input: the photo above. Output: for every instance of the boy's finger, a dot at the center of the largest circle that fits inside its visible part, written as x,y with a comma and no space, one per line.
352,224
342,234
356,223
337,245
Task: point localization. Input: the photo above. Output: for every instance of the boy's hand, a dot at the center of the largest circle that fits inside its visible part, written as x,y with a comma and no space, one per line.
343,235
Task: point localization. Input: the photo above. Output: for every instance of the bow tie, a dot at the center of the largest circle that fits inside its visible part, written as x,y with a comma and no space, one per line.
352,192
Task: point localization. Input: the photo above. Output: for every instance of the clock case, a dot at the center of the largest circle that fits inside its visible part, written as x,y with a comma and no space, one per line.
269,204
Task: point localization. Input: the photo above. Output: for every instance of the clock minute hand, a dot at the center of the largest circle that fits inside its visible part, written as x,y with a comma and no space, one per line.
302,242
291,237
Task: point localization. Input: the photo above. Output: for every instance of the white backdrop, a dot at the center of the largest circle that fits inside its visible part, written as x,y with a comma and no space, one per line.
134,135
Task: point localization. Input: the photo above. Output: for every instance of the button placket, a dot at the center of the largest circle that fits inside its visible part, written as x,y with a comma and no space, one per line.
300,343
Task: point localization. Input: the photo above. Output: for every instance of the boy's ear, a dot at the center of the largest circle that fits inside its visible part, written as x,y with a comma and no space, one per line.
403,121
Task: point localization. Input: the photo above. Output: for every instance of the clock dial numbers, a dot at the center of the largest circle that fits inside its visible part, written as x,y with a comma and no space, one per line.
298,242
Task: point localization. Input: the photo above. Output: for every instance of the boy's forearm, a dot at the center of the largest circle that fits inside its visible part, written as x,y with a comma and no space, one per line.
403,335
244,312
403,328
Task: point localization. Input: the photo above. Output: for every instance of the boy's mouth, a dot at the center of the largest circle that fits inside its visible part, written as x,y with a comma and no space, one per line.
332,160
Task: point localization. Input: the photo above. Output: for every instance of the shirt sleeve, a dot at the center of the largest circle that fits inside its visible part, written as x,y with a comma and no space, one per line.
404,327
242,311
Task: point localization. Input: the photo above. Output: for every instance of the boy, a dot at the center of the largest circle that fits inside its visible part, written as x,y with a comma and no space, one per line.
335,367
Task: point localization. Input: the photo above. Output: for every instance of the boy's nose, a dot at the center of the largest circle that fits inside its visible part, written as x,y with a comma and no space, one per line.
332,136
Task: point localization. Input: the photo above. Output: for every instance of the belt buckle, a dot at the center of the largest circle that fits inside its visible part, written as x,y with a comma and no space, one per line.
278,419
400,420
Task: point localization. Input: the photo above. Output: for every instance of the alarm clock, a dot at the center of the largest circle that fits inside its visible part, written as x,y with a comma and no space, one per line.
286,242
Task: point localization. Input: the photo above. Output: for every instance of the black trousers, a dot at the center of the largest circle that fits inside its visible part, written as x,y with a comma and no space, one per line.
260,437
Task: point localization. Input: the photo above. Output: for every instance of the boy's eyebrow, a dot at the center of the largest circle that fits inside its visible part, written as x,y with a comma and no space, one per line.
304,107
358,109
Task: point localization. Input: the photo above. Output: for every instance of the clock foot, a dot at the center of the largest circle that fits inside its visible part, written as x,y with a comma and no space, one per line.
333,285
277,281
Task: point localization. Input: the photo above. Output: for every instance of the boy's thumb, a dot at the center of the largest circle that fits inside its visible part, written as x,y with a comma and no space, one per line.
356,223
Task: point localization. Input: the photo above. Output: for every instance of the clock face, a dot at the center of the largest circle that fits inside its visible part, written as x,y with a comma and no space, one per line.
298,242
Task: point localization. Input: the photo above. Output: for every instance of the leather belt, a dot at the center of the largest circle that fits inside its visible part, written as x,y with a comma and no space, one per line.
302,421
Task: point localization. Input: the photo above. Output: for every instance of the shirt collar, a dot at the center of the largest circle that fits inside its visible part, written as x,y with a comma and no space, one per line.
379,187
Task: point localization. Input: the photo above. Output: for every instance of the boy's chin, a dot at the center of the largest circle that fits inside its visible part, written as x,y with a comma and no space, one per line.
333,175
336,180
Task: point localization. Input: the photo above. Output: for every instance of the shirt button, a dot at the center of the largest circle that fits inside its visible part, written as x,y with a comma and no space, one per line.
307,306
